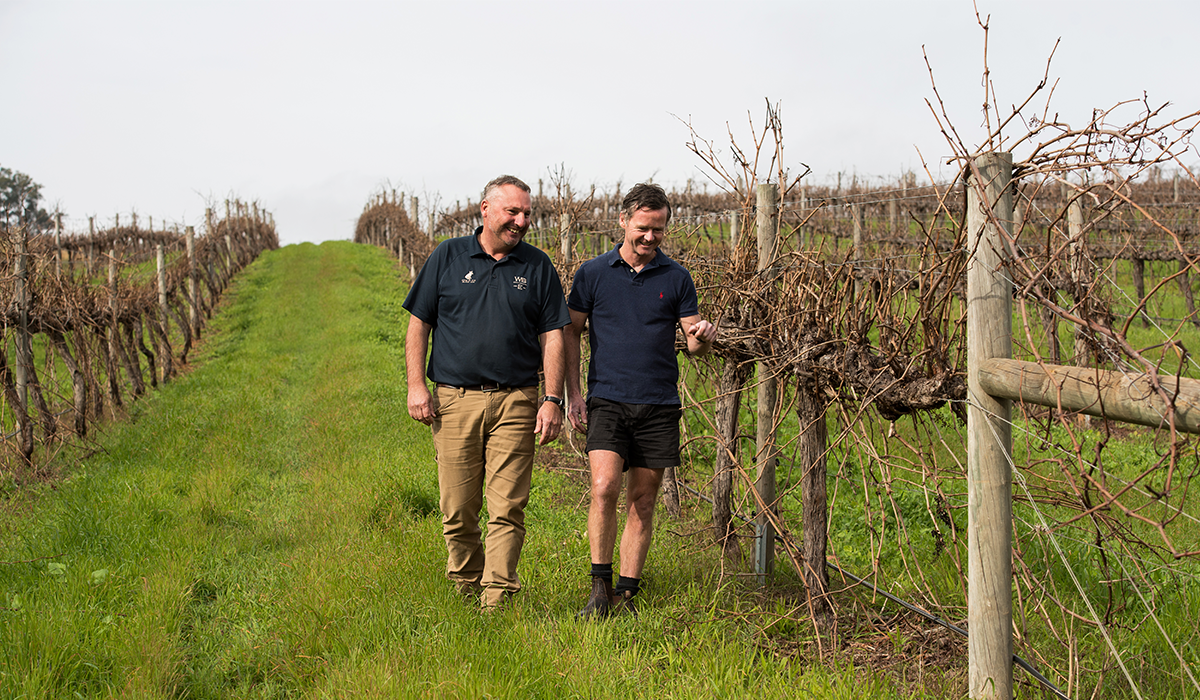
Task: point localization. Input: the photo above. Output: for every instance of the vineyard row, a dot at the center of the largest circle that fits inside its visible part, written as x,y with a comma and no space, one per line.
96,317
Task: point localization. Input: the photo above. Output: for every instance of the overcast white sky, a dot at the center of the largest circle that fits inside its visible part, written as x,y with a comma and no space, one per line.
310,106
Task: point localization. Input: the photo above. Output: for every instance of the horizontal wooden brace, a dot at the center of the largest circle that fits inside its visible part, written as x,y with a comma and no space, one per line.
1120,396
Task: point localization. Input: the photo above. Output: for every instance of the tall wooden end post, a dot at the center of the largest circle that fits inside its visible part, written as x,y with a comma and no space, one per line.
767,224
989,437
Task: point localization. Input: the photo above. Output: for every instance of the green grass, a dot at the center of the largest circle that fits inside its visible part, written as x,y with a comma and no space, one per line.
266,526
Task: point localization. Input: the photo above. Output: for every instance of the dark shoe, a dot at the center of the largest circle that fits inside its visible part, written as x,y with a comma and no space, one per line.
623,604
599,605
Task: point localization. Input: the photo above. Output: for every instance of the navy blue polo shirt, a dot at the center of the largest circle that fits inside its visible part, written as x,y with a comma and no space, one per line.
632,326
487,314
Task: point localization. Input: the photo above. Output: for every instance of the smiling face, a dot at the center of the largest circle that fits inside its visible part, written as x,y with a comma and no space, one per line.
506,215
644,231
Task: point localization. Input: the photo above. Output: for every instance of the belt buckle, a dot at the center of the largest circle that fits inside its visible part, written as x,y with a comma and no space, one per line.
489,388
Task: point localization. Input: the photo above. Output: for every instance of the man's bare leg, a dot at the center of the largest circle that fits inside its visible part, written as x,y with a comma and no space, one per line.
641,495
607,479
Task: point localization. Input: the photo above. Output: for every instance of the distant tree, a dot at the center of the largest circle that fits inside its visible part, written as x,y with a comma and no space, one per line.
19,200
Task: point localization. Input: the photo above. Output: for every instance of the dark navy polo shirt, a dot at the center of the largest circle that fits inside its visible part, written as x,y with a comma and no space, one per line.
632,326
487,314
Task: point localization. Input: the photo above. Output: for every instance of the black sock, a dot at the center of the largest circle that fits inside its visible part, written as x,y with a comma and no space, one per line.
603,571
624,583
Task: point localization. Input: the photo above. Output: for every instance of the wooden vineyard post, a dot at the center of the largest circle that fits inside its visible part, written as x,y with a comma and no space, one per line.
1081,284
91,251
564,235
1185,288
1137,268
733,228
213,287
1078,272
801,231
767,224
989,436
193,282
114,388
856,214
58,244
165,353
21,297
24,350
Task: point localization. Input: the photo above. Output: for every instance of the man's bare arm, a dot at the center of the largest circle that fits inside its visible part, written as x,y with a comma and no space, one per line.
699,333
576,407
416,343
549,416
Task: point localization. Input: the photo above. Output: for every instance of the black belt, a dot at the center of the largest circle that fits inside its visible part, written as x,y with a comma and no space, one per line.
486,388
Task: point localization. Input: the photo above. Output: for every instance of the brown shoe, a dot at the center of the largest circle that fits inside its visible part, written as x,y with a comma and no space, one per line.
623,604
599,605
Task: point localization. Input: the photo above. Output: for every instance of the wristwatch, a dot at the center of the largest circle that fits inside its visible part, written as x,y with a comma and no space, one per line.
553,399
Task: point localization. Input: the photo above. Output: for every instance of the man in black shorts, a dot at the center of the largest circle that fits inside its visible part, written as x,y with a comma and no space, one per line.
631,299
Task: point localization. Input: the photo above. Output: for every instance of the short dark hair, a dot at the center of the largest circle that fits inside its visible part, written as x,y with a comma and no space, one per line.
645,195
501,181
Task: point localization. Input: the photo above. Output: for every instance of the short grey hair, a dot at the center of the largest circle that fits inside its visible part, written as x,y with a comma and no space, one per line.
501,181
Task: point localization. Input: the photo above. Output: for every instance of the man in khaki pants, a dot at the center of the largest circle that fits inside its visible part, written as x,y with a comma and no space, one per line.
495,308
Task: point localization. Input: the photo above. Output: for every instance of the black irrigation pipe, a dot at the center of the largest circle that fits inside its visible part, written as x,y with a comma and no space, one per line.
909,606
935,619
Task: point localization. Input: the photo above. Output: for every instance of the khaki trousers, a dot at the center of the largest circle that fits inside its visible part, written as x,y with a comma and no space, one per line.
484,442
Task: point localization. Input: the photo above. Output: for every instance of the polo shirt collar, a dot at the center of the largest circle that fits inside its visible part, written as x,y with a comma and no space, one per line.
613,258
516,253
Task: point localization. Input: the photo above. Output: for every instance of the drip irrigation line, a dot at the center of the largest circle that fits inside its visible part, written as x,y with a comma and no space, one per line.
1049,685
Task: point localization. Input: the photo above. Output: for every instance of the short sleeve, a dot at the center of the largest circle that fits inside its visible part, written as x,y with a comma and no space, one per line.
581,299
689,304
422,299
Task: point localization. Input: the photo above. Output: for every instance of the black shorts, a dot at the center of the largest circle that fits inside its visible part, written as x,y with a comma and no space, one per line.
645,435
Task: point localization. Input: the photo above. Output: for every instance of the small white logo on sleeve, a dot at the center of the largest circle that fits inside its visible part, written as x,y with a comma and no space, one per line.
520,282
469,278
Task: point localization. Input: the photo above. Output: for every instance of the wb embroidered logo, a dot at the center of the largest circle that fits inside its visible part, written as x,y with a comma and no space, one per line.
469,278
520,282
